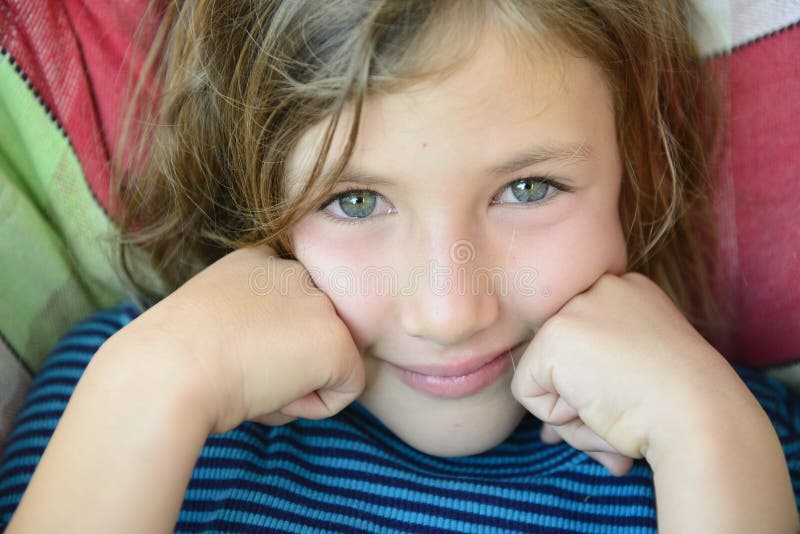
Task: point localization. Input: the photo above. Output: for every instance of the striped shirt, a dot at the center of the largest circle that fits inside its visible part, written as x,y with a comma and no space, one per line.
350,473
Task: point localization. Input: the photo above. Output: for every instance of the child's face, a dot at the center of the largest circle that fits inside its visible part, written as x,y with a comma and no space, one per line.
465,277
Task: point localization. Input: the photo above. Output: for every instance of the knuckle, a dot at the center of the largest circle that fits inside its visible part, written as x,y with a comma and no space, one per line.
543,407
607,282
561,412
642,281
555,326
636,277
305,281
339,334
516,386
608,278
579,303
338,345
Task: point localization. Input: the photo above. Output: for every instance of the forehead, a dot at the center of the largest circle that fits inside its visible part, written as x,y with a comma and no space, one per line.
497,102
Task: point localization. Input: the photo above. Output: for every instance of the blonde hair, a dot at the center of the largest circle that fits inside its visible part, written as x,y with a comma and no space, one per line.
240,81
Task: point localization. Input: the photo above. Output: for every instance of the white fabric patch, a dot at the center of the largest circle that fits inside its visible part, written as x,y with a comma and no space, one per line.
726,24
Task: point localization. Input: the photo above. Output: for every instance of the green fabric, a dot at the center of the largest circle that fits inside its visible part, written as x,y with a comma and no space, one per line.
55,267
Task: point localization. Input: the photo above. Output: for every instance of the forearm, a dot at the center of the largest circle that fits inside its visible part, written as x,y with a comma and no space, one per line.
732,478
123,452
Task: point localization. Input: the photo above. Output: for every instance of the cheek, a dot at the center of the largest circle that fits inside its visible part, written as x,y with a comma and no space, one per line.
350,275
554,266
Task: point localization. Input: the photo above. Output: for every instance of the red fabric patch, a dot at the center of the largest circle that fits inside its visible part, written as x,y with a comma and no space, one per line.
757,200
76,55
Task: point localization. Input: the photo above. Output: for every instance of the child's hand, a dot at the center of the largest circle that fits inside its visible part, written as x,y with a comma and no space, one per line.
619,368
249,337
266,344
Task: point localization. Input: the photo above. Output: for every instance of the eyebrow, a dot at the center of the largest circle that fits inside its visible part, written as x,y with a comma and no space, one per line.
555,152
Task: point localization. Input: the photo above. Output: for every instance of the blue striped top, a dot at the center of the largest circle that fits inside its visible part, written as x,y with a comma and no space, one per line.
350,473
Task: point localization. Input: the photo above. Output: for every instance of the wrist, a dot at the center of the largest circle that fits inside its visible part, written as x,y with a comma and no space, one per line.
125,446
719,465
148,367
715,408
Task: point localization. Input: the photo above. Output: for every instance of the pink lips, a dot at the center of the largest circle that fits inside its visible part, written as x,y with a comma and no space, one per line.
458,381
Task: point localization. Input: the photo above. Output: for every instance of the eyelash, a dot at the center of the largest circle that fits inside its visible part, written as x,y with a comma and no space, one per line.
561,188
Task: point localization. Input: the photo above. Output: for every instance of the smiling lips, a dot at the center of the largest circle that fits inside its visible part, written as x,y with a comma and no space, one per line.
458,381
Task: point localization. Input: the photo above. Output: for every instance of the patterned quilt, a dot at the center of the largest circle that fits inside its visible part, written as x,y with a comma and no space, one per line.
63,76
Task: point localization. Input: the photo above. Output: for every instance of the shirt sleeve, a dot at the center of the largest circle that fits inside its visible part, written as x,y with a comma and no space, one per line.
783,408
47,399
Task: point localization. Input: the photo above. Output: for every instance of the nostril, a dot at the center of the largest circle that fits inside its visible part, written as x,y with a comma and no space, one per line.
448,319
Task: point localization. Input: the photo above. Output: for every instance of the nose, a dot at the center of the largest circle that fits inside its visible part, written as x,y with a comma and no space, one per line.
449,298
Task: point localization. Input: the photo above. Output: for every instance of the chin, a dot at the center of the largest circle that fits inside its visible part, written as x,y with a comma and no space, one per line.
449,427
465,440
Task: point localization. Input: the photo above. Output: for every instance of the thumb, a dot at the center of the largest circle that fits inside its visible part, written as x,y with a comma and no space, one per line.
617,464
332,398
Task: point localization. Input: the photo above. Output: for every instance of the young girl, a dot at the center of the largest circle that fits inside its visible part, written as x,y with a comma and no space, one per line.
415,225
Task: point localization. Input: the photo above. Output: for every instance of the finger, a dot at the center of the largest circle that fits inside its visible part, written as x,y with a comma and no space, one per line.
549,435
312,406
329,400
326,384
617,464
546,406
534,389
582,437
342,389
273,419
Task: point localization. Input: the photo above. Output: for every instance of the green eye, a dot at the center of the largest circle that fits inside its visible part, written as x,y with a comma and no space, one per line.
529,189
357,204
